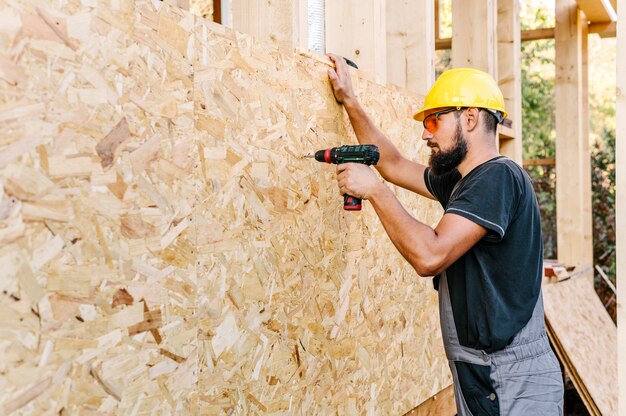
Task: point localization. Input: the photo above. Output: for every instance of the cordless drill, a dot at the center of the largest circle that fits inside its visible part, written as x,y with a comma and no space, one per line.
366,154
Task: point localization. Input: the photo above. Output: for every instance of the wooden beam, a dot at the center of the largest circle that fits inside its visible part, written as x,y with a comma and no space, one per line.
597,10
356,29
300,23
605,30
506,132
526,35
539,162
411,47
281,22
510,74
441,404
620,203
474,35
572,148
441,44
537,34
437,20
587,214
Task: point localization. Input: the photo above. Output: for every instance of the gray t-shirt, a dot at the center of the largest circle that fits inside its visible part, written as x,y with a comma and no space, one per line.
495,285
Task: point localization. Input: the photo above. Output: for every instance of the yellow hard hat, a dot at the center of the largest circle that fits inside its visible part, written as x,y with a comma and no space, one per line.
464,87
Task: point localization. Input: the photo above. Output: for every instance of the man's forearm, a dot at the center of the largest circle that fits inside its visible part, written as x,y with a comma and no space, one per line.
413,239
367,133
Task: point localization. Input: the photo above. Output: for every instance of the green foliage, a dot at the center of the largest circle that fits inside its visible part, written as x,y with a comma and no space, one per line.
538,131
603,188
445,19
443,61
538,122
537,14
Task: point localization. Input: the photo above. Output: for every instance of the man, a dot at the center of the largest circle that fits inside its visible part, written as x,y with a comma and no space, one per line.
486,251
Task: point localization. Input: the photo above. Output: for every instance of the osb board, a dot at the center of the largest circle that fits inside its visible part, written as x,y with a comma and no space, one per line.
587,338
97,268
202,8
303,307
161,241
441,404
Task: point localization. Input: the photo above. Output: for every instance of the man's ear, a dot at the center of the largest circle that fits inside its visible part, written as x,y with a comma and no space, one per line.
472,115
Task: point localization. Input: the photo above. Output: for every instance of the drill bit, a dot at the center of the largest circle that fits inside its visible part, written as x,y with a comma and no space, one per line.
311,155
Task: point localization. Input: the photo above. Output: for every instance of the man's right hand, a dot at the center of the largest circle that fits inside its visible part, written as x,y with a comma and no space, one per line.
392,165
340,80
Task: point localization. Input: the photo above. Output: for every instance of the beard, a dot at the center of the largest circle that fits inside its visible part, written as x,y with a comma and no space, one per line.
443,162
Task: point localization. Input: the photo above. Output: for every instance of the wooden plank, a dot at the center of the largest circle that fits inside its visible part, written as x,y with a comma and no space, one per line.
571,371
474,41
411,47
605,30
506,133
537,34
441,404
277,21
585,338
510,75
620,201
300,24
597,10
539,162
572,187
437,20
356,29
587,210
526,36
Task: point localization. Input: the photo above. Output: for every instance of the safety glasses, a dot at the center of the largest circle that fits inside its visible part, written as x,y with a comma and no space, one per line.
431,122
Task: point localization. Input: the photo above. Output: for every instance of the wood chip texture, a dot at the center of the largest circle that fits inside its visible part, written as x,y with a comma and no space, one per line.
202,8
164,248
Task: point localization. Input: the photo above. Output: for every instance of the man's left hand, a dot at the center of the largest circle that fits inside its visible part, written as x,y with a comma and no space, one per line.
357,180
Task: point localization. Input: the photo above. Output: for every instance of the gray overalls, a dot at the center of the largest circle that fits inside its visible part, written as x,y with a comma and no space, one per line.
526,376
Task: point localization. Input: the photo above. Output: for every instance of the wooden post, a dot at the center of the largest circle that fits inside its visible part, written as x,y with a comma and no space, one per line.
510,74
620,203
586,152
437,21
299,22
411,46
356,30
477,40
573,188
474,35
282,22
